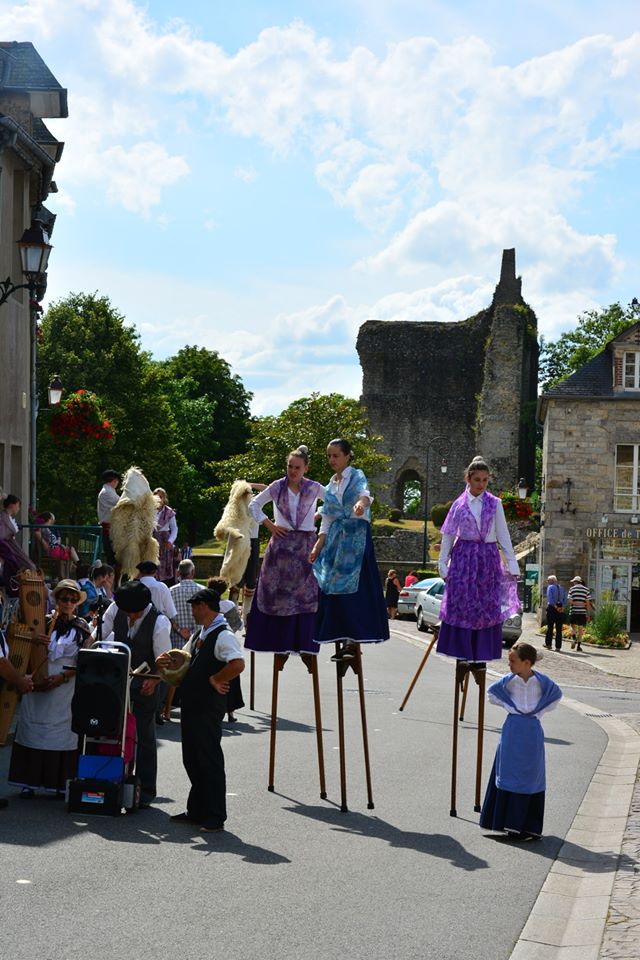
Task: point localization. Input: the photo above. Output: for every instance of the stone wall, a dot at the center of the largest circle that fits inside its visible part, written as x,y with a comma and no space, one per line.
473,383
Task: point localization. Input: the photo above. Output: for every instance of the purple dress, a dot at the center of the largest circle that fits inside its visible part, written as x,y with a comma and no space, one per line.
479,594
283,613
162,533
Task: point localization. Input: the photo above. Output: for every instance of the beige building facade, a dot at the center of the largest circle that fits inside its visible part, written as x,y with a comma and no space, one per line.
28,155
591,477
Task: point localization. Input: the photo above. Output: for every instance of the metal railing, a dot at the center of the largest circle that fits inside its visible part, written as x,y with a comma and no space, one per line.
60,548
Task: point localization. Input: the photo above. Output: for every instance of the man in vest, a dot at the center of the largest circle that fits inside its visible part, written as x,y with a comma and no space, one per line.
216,658
147,633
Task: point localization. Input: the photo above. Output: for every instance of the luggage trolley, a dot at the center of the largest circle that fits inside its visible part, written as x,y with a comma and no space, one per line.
101,716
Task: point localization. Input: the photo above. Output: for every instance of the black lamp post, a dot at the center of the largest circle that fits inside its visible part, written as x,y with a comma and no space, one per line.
34,256
445,447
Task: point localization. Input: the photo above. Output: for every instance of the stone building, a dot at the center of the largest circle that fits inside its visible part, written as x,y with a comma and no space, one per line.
591,476
28,155
473,382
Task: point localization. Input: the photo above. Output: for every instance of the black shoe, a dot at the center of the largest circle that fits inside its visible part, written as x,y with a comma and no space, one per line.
348,652
182,818
159,720
212,828
579,648
547,646
3,803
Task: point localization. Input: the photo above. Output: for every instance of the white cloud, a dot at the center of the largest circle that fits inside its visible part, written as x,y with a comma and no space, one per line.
246,174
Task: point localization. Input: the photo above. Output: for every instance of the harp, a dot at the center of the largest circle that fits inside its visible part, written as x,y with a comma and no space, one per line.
33,605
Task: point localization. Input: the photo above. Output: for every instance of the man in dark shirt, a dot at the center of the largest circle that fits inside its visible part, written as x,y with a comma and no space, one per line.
216,658
555,612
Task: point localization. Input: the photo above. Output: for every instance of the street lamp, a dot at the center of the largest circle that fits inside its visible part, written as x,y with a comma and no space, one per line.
54,391
445,447
34,256
522,488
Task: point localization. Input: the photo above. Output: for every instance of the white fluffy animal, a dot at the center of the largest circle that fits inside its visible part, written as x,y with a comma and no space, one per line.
133,520
235,525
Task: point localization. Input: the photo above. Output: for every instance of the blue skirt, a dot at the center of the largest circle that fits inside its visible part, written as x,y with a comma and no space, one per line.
515,812
360,616
464,643
267,633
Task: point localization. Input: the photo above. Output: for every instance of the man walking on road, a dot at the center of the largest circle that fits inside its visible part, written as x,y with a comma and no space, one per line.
555,612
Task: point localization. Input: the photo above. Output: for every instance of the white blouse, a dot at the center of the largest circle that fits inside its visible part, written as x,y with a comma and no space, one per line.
498,531
259,501
524,695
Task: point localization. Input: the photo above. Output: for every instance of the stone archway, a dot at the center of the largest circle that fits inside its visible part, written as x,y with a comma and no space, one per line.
408,492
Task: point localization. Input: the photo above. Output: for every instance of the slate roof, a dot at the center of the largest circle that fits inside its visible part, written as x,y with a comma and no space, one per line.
41,133
22,68
594,379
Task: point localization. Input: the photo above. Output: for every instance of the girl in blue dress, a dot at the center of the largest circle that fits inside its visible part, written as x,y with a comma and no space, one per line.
352,606
514,800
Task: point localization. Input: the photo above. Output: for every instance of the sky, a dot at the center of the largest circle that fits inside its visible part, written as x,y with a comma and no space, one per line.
260,178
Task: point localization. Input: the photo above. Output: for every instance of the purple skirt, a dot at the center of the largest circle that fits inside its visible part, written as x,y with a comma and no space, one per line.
479,595
283,613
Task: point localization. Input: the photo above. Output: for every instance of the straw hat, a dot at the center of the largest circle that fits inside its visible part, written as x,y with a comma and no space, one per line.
69,585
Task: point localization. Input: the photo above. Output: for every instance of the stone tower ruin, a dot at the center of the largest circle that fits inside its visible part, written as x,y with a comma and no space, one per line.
473,382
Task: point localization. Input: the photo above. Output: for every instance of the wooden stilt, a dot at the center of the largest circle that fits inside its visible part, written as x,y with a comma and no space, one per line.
252,681
340,672
464,696
480,678
419,671
279,661
363,718
454,745
311,662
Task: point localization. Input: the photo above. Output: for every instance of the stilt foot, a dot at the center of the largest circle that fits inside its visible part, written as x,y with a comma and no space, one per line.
344,808
271,789
323,795
371,806
453,813
477,808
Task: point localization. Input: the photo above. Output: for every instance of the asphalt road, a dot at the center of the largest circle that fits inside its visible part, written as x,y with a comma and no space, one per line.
293,877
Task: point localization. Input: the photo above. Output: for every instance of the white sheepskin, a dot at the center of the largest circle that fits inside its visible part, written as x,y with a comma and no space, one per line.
235,525
133,520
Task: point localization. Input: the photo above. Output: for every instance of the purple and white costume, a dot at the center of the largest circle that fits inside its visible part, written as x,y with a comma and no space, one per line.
283,613
479,593
165,533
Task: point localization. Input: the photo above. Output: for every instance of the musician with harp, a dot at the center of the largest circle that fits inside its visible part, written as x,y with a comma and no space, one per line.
45,749
9,674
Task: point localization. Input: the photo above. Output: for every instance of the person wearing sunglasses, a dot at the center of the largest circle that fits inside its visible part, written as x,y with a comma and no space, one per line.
45,749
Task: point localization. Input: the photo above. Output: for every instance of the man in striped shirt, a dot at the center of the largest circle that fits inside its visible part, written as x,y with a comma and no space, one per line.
579,610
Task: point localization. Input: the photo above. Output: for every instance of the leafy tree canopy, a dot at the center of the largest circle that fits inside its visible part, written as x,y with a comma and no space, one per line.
562,357
314,421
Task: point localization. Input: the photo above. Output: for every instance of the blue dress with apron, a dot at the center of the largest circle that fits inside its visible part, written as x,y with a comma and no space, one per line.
514,800
351,605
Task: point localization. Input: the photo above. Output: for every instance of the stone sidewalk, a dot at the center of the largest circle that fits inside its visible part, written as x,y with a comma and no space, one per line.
589,905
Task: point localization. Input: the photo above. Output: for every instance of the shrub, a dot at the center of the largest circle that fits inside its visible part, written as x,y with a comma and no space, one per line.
439,513
395,515
608,622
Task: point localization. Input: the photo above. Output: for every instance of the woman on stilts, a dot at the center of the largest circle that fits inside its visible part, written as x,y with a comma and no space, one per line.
352,607
282,616
515,795
479,593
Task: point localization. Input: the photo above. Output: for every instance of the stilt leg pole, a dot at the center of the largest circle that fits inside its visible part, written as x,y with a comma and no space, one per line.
279,661
464,696
363,718
418,672
481,677
252,681
454,745
343,763
312,666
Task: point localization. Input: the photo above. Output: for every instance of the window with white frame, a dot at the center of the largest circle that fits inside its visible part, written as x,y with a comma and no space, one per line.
632,371
627,486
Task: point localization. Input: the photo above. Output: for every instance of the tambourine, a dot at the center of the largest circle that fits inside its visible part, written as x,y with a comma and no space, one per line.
181,661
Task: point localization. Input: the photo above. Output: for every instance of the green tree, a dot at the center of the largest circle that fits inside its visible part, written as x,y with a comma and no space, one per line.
88,343
314,421
562,357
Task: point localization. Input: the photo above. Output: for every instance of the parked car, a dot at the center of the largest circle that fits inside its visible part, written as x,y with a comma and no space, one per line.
427,611
407,598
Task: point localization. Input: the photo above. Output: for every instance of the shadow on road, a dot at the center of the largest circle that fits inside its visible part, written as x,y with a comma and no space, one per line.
572,854
371,827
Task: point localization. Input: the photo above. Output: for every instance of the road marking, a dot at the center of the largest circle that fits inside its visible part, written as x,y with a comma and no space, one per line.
24,881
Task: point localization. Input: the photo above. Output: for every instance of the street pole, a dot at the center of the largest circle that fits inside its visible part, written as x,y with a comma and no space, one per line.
33,317
444,443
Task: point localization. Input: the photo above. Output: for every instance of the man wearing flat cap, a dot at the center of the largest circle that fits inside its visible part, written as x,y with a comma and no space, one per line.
216,658
107,499
133,619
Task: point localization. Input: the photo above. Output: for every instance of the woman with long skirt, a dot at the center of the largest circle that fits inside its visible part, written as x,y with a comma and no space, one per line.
352,606
514,800
283,613
45,750
480,594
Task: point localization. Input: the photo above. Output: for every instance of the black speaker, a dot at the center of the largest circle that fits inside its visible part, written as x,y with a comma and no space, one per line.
97,708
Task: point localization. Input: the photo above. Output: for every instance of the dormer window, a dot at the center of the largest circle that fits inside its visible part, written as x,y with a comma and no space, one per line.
632,371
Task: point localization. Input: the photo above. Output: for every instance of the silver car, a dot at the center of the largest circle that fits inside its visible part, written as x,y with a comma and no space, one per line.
427,610
407,598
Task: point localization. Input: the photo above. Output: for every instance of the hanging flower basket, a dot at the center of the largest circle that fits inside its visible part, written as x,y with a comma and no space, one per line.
81,419
515,509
